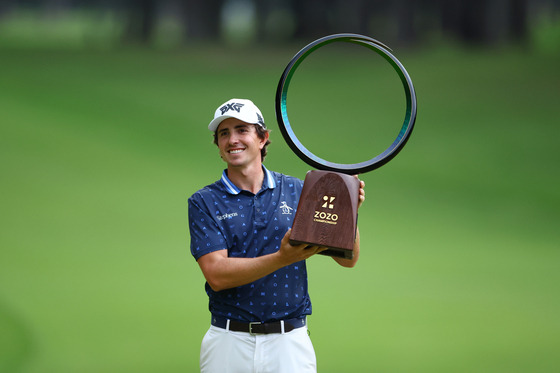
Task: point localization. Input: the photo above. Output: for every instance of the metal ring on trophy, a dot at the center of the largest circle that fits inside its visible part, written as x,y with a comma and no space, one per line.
355,168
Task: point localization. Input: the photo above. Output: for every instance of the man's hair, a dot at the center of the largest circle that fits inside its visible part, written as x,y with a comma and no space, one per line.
261,133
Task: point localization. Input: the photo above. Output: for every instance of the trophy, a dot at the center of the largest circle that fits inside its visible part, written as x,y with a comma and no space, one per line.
327,212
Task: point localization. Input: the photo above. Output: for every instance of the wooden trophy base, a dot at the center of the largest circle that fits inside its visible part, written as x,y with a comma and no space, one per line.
327,213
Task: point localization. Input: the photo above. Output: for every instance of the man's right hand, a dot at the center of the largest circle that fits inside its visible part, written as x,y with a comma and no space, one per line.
295,253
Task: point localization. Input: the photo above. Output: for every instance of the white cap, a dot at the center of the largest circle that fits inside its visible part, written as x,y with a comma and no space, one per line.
238,108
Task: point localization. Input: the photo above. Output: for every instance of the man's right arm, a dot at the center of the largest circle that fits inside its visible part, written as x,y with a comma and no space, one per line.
223,272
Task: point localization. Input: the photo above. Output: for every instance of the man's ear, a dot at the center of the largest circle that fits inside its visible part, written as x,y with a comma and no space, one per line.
264,140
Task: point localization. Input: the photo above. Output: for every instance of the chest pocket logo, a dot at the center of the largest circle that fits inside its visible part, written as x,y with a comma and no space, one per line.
286,210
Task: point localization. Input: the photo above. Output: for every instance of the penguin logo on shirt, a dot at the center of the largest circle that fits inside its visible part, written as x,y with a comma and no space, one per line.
286,210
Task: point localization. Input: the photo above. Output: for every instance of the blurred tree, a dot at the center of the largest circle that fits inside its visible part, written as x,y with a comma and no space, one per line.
408,21
202,18
140,20
471,25
352,16
5,7
313,18
485,21
518,20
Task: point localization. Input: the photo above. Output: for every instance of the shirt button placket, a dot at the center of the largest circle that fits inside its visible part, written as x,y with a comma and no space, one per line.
258,209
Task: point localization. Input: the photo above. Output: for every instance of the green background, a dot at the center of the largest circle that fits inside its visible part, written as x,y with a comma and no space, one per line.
100,150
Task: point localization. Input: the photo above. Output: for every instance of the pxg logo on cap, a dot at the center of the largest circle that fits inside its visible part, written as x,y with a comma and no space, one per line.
231,106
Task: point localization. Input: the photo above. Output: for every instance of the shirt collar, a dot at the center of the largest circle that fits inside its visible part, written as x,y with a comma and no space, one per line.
231,188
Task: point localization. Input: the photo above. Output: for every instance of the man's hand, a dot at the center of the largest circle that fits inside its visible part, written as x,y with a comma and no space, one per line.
362,192
296,253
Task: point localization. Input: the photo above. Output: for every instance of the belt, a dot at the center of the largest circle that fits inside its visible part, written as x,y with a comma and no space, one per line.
282,326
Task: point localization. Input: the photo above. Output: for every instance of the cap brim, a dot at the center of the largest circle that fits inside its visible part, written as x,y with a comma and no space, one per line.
213,126
215,123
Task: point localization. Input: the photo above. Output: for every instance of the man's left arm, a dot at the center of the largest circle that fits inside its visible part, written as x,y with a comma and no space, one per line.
349,263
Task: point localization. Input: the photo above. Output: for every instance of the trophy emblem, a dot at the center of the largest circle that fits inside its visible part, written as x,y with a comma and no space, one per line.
327,212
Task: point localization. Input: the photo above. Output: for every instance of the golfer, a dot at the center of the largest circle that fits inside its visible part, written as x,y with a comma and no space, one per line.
255,280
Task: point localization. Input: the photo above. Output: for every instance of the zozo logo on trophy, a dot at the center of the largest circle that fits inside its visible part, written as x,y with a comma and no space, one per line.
326,217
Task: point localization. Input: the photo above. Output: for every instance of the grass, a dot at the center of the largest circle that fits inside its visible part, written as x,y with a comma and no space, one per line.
99,151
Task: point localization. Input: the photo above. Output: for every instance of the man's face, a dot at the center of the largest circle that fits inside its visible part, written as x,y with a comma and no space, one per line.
239,143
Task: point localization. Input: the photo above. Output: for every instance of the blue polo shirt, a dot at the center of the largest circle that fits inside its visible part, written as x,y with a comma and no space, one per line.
247,225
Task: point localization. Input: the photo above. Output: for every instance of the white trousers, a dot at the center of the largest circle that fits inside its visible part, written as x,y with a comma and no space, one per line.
224,351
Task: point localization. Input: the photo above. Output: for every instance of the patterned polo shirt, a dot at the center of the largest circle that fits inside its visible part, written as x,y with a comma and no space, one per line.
247,225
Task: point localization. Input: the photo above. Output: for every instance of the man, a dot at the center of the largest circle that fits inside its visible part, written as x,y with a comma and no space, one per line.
255,280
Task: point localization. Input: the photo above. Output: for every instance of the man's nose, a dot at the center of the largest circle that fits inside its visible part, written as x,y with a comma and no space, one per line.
233,138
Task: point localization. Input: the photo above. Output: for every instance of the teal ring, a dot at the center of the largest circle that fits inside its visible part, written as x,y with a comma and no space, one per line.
354,168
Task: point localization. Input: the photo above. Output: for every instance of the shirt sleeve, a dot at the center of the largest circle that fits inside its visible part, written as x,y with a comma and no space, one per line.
206,236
